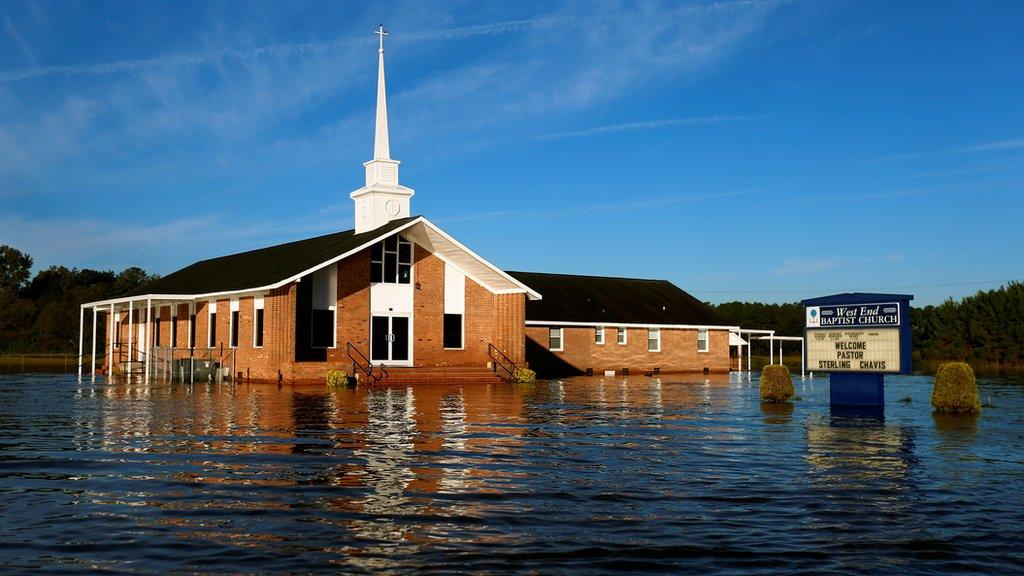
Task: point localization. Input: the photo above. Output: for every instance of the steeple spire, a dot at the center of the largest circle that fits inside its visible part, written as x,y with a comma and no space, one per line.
381,148
382,198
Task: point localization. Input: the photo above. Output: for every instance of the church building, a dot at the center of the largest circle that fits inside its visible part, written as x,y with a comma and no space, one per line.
396,298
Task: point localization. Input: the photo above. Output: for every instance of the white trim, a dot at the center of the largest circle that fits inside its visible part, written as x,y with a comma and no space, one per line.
233,307
656,331
211,324
592,324
599,330
561,339
534,295
257,304
625,335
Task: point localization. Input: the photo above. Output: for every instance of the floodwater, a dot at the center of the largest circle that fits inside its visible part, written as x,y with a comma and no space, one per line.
586,475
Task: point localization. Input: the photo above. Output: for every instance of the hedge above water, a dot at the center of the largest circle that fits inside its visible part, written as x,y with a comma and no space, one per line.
955,389
776,384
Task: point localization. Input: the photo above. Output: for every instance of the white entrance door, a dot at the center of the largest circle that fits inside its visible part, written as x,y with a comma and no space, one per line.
391,340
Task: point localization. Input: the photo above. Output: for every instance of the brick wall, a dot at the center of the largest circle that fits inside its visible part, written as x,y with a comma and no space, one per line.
579,351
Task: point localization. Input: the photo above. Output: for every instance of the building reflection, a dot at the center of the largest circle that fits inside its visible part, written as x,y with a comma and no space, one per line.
387,469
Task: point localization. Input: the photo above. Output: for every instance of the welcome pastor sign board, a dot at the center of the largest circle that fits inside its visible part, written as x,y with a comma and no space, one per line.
864,350
867,333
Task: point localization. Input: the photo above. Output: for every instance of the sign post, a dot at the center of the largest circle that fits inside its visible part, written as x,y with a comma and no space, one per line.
857,339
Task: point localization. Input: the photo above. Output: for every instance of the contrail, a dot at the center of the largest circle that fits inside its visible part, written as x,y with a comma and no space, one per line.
647,125
276,50
205,57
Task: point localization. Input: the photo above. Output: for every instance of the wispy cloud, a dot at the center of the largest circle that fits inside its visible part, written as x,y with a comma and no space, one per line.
271,50
645,125
1010,144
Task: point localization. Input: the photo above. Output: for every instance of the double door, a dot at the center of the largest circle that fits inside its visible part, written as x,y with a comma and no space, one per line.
389,340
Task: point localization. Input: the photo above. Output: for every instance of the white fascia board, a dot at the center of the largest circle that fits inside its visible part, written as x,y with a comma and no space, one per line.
129,299
531,293
612,324
257,290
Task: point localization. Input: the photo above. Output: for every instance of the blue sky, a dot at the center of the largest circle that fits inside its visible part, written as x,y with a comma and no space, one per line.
752,150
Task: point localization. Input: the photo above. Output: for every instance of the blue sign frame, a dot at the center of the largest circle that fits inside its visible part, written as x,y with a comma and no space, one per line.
864,310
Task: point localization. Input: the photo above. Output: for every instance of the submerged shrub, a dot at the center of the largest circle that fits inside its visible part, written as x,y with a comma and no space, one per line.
525,376
337,378
955,389
776,384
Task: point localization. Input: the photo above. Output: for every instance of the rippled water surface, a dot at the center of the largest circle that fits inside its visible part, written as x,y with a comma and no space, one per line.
586,475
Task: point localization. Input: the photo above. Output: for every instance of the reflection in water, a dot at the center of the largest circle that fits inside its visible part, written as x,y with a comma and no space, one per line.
588,474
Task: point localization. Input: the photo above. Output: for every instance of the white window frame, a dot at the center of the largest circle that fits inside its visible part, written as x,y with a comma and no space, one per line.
231,324
707,340
625,335
656,332
599,335
561,339
257,304
211,310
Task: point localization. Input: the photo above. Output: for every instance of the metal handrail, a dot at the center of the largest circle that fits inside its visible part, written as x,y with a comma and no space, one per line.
501,359
366,365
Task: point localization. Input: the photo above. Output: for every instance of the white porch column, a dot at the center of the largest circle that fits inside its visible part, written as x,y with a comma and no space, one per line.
803,359
92,365
149,351
750,340
81,338
131,328
110,341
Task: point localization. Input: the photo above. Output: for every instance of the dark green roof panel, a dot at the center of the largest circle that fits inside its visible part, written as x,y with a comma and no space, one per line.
571,298
266,266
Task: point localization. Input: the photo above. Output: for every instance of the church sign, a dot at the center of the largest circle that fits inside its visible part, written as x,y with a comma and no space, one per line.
858,333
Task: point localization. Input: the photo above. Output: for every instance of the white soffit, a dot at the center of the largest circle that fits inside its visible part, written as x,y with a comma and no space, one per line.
432,238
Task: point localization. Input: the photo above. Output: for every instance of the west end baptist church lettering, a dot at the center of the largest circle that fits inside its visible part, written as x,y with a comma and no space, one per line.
887,314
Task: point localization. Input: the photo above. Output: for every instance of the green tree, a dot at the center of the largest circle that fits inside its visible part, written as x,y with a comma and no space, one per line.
15,268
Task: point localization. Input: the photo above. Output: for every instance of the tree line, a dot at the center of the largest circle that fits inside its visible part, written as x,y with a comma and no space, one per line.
986,328
39,314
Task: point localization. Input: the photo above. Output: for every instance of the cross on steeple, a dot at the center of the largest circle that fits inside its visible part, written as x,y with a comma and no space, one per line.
380,31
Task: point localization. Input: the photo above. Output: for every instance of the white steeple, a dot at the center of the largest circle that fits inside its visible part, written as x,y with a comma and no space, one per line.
382,199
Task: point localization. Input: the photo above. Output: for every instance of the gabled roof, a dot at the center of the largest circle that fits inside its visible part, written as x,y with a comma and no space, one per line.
265,266
275,266
606,300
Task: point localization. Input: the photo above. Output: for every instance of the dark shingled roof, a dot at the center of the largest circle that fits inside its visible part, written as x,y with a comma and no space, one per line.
570,298
265,266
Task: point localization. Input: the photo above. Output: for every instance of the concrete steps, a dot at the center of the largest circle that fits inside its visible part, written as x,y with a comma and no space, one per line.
440,375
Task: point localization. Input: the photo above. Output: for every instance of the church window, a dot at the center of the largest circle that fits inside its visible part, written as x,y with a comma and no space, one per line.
555,339
233,326
391,261
211,335
453,331
257,329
